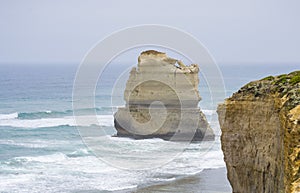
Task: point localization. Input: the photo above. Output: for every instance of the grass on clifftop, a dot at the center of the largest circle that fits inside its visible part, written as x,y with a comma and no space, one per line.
283,85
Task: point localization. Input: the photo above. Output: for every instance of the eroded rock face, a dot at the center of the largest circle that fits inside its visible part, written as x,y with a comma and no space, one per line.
261,135
162,101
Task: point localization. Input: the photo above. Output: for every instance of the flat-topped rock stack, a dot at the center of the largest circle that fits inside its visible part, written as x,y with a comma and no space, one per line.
162,101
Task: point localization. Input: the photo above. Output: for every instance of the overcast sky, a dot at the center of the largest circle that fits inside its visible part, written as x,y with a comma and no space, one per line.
235,32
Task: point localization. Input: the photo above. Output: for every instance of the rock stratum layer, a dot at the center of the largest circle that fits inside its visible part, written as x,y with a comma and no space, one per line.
261,135
162,99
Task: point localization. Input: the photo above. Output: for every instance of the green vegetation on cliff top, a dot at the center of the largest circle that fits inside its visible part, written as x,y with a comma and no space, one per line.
285,85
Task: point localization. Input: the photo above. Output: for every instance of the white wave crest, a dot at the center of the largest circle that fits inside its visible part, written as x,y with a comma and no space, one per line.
45,159
103,120
8,116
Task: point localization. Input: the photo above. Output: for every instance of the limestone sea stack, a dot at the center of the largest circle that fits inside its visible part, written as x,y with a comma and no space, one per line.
162,99
261,135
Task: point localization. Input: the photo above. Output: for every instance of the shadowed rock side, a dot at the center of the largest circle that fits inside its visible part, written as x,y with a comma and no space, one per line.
162,101
261,135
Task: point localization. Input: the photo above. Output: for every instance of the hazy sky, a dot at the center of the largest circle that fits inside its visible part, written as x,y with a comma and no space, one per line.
235,32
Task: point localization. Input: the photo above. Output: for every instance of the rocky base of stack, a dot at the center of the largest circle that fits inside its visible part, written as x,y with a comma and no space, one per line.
168,131
197,136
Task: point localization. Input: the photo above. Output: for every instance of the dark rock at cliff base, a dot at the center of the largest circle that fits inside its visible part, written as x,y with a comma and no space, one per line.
261,135
162,101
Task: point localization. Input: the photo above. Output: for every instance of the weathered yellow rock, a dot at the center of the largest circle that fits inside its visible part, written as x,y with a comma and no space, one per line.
261,135
175,85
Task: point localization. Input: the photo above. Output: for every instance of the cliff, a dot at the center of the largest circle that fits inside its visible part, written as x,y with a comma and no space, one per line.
261,135
162,99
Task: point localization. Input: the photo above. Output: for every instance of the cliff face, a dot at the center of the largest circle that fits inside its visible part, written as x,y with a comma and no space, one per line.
175,85
261,135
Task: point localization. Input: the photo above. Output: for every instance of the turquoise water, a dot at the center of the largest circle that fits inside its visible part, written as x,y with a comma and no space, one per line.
41,149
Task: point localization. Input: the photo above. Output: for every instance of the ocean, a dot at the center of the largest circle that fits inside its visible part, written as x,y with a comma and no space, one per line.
41,149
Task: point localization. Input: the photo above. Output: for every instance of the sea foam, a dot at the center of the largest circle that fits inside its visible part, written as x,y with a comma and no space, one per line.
11,120
8,116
